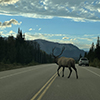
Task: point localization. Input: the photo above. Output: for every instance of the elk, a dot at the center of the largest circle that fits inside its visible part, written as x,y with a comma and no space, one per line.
64,62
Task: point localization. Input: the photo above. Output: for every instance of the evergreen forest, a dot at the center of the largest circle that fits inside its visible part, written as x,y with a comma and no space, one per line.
18,52
94,54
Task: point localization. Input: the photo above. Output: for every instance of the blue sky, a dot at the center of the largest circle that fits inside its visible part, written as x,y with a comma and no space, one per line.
63,21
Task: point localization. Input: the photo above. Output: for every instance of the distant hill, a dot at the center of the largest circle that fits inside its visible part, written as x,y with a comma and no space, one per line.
70,49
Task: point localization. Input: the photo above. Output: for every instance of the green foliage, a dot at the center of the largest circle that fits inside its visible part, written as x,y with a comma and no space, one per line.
95,63
80,57
4,66
94,54
19,51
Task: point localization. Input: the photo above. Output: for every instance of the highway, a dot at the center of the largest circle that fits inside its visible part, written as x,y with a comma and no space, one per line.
41,82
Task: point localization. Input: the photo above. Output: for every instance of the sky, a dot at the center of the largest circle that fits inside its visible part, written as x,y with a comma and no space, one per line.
64,21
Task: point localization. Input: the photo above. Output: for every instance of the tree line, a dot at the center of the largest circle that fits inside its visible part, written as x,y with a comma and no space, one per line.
94,54
20,51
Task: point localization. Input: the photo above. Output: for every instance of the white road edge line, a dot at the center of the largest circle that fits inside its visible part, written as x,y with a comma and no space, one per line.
17,73
14,74
92,72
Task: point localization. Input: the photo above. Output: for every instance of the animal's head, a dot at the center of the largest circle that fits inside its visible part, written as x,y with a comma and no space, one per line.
56,57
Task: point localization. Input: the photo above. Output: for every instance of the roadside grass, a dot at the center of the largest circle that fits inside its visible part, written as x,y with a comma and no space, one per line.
4,66
95,63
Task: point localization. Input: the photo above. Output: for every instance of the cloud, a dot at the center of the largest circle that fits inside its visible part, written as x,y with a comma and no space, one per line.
6,34
9,23
77,10
11,32
1,32
65,38
30,36
85,42
39,29
30,29
73,41
3,2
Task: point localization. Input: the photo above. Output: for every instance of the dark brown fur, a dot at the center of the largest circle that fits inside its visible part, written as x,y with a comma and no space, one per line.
64,62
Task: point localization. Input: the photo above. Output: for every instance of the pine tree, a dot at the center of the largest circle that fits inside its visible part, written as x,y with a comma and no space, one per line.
80,56
85,55
20,37
97,50
91,53
2,48
98,42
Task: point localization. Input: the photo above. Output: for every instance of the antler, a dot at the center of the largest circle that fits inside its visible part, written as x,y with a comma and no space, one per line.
61,51
59,54
53,52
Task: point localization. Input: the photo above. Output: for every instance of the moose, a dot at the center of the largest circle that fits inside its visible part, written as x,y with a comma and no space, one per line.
64,62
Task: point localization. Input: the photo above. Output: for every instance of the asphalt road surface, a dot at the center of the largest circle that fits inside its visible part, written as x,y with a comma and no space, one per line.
42,83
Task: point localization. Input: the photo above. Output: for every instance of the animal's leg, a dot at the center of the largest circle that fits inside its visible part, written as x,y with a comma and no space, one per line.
75,71
58,70
63,71
70,72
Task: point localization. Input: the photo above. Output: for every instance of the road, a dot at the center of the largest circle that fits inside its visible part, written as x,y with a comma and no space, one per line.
41,83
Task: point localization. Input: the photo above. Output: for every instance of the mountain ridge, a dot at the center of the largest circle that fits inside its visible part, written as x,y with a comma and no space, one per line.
70,49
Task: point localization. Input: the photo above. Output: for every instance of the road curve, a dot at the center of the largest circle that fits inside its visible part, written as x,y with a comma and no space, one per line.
41,83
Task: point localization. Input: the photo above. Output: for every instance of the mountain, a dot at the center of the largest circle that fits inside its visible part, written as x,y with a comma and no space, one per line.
70,49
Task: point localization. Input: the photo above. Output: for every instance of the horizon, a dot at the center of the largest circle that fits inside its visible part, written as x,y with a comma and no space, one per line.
69,22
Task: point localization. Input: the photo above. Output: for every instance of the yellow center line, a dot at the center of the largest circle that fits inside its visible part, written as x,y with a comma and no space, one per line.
42,87
46,86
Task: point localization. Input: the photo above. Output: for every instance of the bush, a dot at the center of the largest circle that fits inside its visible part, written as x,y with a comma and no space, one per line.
95,63
33,63
4,66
